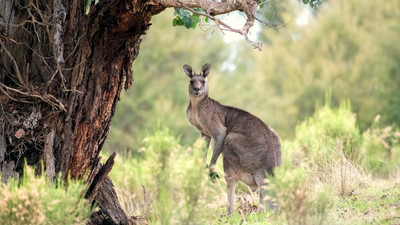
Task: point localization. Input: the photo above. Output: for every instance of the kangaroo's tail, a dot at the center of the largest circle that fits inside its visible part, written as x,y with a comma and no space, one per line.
275,152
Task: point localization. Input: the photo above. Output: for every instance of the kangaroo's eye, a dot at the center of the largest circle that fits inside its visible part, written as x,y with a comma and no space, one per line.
203,82
191,82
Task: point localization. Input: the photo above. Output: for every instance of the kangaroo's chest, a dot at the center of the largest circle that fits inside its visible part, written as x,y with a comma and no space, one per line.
196,119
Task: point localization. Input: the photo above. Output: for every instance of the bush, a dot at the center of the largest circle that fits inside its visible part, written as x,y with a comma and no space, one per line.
381,150
169,185
299,202
327,146
291,190
36,200
321,136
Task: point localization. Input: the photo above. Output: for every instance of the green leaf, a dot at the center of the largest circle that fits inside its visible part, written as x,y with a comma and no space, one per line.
196,18
180,22
187,22
185,18
184,13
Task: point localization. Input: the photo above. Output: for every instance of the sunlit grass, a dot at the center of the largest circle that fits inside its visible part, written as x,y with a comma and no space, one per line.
375,204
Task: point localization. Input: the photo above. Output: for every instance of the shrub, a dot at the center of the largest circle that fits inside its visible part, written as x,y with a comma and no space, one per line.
36,200
299,202
320,135
381,149
327,146
169,185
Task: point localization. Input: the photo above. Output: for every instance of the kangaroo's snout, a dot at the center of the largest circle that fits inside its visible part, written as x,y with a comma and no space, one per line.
196,90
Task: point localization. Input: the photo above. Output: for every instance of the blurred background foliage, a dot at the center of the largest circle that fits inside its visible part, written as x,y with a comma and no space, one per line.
342,46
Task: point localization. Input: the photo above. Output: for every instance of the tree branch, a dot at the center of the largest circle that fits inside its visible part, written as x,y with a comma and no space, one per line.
99,178
213,8
18,73
48,98
48,154
244,31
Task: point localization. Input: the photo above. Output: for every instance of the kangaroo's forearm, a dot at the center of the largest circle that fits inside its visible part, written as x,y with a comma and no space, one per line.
207,139
218,145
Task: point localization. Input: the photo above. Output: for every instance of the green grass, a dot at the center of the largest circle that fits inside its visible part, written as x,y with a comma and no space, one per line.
249,218
375,204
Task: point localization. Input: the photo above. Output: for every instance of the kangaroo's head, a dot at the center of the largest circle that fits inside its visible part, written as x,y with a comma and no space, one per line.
198,83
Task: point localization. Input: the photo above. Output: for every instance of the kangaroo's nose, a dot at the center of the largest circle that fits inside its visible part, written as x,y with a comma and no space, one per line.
197,89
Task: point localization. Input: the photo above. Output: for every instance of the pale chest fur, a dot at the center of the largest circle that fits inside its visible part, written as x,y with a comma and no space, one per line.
195,120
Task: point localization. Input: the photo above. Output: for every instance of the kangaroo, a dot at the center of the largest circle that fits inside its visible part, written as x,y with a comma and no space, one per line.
249,147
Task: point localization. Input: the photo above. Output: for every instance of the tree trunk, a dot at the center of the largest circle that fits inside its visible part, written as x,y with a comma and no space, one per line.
62,69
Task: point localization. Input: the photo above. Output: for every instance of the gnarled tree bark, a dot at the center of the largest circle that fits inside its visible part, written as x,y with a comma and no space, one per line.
63,65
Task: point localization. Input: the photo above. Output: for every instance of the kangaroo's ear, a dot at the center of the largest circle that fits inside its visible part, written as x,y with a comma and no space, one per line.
188,70
206,70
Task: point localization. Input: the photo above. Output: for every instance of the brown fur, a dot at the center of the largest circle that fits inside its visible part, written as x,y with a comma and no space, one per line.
248,146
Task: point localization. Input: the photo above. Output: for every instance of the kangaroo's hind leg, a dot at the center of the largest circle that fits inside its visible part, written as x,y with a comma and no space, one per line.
259,179
231,183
